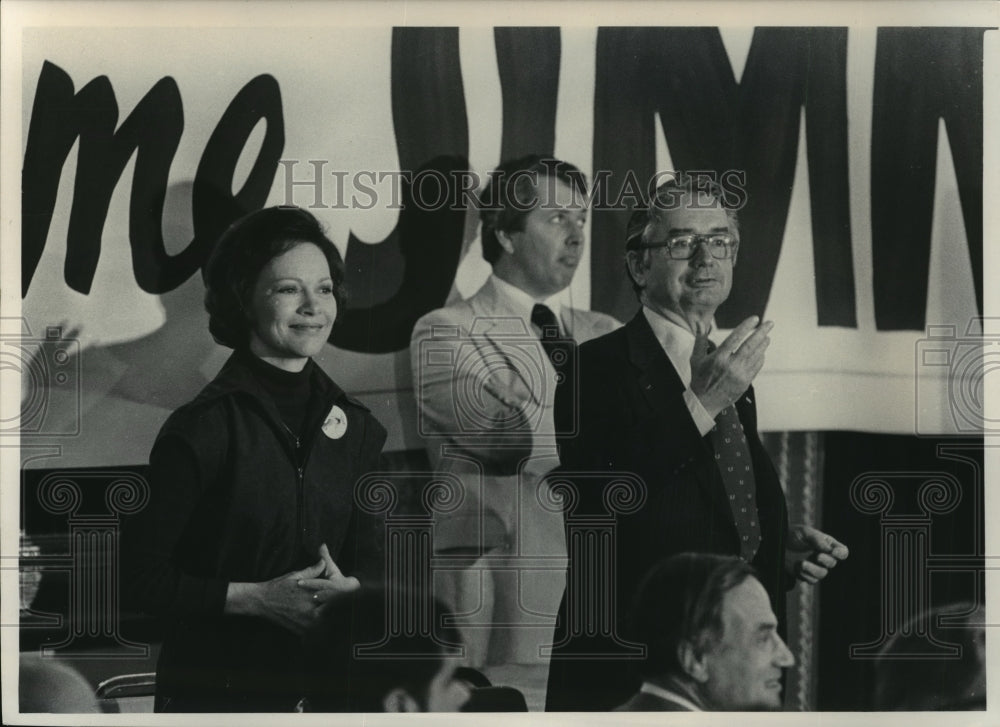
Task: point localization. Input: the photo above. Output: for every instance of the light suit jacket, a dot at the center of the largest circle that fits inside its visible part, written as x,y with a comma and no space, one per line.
485,392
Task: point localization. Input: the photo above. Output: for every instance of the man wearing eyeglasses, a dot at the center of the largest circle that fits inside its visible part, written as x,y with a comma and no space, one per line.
662,403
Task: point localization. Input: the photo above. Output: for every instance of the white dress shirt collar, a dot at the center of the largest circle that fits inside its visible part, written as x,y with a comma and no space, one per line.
524,303
670,696
677,342
676,339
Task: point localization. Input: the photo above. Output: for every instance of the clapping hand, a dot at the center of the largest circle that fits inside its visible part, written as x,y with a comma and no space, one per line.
810,553
719,378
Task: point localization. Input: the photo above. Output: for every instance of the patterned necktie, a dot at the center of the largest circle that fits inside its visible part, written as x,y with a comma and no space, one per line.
732,455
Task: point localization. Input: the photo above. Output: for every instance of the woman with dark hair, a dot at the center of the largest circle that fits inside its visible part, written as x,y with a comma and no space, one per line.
251,524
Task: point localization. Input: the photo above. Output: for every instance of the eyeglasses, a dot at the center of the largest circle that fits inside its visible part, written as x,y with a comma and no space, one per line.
721,246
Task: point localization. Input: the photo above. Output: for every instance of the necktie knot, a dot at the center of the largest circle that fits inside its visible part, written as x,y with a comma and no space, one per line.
543,317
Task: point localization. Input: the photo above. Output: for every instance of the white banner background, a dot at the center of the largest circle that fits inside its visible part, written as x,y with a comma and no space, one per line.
143,354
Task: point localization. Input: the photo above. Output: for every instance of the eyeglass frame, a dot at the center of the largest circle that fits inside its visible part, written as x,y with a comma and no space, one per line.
730,249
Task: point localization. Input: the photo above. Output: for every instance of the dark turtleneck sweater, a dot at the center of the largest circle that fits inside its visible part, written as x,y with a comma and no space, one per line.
291,391
229,501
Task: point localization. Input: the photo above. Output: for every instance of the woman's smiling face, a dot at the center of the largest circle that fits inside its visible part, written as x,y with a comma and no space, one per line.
293,307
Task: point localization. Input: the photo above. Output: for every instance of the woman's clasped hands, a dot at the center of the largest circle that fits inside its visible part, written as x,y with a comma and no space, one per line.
292,600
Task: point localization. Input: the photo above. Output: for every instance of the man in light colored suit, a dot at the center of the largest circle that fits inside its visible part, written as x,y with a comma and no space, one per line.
485,372
711,638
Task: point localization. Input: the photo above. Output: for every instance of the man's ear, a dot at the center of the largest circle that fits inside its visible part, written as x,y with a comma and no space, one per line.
692,662
399,700
503,237
636,261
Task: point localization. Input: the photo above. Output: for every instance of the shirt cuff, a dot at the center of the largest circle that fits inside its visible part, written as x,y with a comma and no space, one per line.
702,419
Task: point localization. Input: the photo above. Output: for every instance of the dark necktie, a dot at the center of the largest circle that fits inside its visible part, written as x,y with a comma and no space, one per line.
543,317
732,455
561,351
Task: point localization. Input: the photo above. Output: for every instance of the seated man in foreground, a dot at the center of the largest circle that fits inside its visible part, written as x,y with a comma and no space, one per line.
711,638
356,663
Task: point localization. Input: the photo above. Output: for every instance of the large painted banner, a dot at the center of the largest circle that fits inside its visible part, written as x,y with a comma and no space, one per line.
855,155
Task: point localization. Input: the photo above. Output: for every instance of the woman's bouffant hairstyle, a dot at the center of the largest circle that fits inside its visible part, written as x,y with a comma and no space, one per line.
240,255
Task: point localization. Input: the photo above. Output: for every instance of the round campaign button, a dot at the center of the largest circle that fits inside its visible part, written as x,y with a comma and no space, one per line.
335,423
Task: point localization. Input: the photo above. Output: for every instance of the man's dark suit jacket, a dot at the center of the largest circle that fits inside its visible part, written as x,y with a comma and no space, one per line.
632,418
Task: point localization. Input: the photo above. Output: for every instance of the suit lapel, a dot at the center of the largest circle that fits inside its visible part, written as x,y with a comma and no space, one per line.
575,325
566,320
662,388
658,381
745,408
499,327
